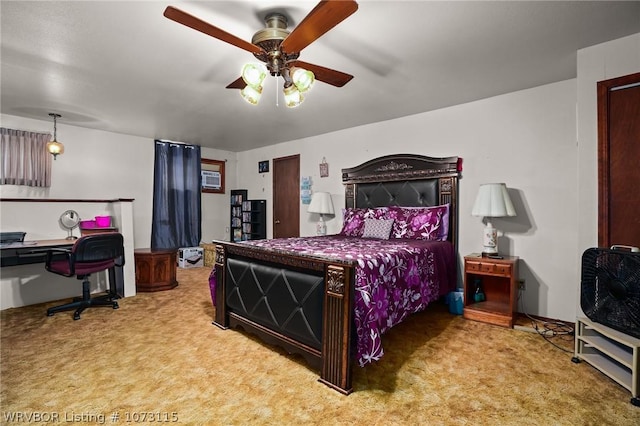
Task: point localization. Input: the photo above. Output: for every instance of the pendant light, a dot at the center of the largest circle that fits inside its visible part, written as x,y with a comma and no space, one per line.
54,147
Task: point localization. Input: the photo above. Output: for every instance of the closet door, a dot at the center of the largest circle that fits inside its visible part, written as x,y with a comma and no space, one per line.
618,161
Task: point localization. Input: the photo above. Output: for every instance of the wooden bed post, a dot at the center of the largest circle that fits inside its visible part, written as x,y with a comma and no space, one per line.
336,328
221,319
448,190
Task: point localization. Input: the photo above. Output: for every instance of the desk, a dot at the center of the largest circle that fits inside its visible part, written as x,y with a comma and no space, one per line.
29,252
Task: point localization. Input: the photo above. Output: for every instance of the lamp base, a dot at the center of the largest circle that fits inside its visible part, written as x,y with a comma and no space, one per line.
321,227
490,240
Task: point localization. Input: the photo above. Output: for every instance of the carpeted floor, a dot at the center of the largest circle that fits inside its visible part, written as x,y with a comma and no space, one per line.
158,359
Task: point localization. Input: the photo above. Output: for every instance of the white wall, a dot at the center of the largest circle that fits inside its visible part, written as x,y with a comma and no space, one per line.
601,62
525,139
215,207
95,165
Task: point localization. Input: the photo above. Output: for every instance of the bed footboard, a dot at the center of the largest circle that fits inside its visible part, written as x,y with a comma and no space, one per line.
301,304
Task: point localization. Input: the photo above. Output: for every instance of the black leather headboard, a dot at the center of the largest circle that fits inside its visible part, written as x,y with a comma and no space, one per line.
405,180
402,193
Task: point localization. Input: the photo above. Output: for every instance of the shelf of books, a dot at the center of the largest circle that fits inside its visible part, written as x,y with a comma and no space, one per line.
248,217
238,196
254,219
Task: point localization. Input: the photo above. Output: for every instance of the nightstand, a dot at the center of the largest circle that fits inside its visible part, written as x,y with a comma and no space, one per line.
499,281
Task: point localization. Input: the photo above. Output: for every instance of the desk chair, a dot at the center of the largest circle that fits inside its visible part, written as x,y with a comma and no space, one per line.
89,254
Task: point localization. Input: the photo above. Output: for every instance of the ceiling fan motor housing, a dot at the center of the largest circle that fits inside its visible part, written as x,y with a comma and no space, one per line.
269,39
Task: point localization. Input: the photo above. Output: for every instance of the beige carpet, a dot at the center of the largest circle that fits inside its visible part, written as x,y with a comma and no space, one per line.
158,359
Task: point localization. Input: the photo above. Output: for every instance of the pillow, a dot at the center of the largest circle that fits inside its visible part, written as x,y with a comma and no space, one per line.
353,219
422,223
377,228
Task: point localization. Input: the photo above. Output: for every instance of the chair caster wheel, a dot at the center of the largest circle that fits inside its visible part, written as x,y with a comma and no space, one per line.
49,314
76,316
115,305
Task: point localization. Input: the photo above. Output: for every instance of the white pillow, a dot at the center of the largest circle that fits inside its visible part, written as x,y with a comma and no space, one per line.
377,228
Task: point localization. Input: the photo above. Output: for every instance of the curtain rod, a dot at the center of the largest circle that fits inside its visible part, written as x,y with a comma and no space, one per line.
163,141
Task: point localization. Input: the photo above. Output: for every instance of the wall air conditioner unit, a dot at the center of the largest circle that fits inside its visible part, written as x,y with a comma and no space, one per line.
211,180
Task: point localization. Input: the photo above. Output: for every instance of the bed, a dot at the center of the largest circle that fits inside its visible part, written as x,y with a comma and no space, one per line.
331,298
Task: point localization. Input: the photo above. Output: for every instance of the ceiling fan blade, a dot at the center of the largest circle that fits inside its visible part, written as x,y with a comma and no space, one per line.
326,15
237,84
198,24
326,75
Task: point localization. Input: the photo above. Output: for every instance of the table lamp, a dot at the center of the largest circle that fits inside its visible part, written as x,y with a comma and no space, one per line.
321,203
492,201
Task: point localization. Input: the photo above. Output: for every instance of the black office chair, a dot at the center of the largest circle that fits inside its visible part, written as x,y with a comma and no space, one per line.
89,254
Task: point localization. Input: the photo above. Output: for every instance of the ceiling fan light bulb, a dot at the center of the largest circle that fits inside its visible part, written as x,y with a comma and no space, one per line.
251,94
254,74
292,96
302,78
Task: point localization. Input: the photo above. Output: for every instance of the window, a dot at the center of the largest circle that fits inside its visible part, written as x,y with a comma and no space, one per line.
212,176
24,158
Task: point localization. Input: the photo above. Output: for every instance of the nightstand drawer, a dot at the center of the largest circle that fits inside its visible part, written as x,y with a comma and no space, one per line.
488,267
503,269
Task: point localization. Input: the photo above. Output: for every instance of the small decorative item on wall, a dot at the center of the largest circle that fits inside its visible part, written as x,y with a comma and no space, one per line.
305,189
324,168
263,166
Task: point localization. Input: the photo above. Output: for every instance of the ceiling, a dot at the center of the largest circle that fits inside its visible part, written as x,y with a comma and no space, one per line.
123,67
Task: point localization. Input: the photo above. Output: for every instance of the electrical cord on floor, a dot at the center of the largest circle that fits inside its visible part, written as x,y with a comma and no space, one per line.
548,329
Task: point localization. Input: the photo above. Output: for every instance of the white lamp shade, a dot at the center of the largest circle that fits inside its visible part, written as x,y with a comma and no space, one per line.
321,203
493,201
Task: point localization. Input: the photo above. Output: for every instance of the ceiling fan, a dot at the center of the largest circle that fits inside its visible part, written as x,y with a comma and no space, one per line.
278,49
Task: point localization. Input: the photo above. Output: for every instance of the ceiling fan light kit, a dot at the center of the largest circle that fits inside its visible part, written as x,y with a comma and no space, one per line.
278,49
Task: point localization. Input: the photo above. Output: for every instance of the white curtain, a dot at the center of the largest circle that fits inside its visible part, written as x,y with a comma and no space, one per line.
24,159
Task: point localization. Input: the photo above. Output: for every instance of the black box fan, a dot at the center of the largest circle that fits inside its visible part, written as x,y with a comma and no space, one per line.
610,288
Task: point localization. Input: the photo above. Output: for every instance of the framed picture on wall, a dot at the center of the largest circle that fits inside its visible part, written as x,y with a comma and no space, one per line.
263,166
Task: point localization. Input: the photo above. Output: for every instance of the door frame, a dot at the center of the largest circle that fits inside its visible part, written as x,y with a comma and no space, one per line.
604,92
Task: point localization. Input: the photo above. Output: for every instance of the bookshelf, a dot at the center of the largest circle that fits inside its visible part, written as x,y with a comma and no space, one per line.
238,196
248,217
254,220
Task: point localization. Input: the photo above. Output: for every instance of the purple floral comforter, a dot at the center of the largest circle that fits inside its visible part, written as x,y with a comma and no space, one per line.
394,278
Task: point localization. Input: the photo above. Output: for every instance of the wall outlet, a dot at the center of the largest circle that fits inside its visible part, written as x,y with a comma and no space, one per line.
521,285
